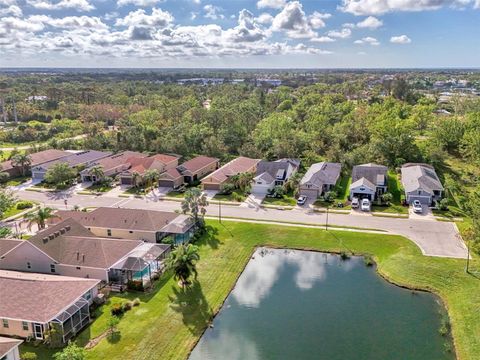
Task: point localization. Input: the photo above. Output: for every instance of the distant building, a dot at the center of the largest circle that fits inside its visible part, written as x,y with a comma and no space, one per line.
266,81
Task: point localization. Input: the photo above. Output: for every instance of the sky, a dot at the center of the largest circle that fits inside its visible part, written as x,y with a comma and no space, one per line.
240,33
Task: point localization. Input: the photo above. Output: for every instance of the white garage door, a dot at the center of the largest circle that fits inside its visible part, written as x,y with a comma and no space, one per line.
426,200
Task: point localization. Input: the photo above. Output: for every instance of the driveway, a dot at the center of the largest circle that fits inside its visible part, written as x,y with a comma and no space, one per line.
426,213
210,193
253,200
26,185
433,239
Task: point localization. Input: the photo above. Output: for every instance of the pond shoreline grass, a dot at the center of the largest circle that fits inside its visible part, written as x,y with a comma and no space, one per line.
169,321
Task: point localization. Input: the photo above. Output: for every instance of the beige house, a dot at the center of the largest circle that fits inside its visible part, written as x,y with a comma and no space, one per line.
111,165
140,166
31,304
136,224
171,178
9,348
70,249
198,167
218,178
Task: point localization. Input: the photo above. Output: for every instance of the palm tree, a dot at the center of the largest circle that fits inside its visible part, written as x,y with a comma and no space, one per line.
22,161
182,262
135,178
244,180
293,183
39,217
195,202
151,177
97,172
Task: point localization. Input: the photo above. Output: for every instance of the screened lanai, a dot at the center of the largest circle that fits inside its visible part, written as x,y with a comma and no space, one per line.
73,319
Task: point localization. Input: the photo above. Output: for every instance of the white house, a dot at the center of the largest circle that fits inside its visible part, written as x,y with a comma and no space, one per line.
272,173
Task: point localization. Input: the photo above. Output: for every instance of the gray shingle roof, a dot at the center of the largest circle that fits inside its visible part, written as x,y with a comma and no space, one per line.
420,177
323,173
375,174
272,167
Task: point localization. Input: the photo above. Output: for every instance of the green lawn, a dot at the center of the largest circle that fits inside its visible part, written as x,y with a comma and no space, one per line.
11,212
287,200
169,321
18,180
99,188
394,188
135,191
176,194
342,188
233,197
392,209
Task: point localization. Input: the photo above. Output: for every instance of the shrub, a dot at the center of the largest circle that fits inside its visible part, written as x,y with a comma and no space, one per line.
127,306
237,197
4,177
21,205
136,302
330,196
368,260
117,309
28,356
227,189
135,285
344,255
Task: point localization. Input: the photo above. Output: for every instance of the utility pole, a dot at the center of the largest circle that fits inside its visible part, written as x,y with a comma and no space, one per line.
467,270
15,111
219,210
4,113
326,221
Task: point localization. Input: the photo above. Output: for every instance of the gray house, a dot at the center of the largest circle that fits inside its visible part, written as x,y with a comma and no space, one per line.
368,181
320,177
272,173
420,182
74,160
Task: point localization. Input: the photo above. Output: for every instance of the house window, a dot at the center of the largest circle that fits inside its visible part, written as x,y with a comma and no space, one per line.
5,323
131,232
87,296
25,325
109,232
29,266
79,268
419,192
52,268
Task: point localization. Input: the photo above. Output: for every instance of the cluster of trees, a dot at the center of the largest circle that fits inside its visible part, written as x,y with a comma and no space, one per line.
41,131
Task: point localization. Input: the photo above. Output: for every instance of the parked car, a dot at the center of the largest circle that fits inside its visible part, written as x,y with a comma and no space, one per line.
365,205
355,203
417,207
302,199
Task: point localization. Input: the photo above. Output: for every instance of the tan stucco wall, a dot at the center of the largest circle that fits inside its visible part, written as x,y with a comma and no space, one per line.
83,272
15,329
125,234
17,259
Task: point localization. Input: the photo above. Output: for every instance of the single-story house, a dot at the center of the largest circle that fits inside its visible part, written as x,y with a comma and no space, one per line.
196,168
219,177
368,181
272,173
31,304
135,224
420,182
319,178
160,162
74,160
37,159
111,165
70,249
172,178
9,348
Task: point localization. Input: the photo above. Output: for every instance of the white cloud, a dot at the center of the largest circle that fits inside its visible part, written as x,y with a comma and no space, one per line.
213,12
266,18
197,2
348,25
193,15
247,29
341,34
477,4
378,7
370,22
273,4
293,21
367,41
79,5
158,18
401,39
139,3
322,39
316,20
13,10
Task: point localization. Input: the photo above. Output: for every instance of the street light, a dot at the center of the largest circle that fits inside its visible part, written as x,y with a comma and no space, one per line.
468,257
219,210
326,221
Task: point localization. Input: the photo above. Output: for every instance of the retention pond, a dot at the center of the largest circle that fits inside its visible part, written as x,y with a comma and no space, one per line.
291,304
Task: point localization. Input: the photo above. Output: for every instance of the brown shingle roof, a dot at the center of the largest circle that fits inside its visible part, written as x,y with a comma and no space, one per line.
114,161
165,159
121,218
8,244
39,297
7,345
197,163
39,158
234,167
79,247
78,158
172,173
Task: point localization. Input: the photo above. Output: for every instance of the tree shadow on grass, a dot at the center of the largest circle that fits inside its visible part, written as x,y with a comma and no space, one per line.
114,337
193,306
210,237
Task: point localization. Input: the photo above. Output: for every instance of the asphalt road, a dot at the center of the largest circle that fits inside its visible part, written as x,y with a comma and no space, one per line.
434,238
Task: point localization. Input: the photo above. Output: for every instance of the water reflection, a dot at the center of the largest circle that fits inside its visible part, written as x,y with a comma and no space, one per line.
265,267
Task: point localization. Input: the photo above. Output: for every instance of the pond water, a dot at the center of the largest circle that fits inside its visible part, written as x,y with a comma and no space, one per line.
291,304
